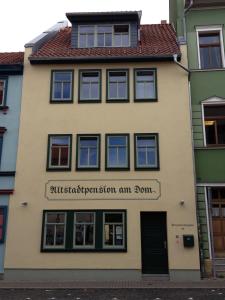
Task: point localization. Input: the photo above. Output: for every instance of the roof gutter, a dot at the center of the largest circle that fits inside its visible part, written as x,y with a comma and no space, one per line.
62,60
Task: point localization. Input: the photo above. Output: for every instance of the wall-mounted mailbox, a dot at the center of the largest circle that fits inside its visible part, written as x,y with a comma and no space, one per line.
188,240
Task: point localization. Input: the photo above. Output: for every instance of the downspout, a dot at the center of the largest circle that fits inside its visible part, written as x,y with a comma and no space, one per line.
184,19
192,141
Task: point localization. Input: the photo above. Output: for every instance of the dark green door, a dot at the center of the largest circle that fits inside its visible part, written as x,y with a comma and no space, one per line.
154,243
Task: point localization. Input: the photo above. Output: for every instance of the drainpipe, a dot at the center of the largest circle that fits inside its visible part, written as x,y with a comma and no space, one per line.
179,64
184,18
192,141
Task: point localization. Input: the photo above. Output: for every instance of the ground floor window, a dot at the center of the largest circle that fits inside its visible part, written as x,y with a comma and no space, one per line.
95,230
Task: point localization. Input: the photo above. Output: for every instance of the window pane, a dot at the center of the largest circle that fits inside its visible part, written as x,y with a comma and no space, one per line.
210,132
93,157
66,90
62,76
221,131
86,29
222,193
112,157
60,141
49,240
89,237
108,40
108,235
121,28
100,40
119,235
122,90
140,90
94,91
1,233
117,140
141,157
88,142
125,40
83,157
55,156
122,157
148,141
57,90
216,60
82,41
85,91
215,211
55,218
215,193
117,40
90,40
59,235
79,235
84,217
151,157
64,159
104,29
223,210
205,39
113,90
113,217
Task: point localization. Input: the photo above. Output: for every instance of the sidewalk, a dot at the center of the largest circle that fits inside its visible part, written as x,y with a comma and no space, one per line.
142,284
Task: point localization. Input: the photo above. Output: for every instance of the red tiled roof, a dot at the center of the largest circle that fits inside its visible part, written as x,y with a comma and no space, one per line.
156,40
11,58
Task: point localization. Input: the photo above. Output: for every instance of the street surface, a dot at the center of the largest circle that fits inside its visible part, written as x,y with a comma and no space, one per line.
113,294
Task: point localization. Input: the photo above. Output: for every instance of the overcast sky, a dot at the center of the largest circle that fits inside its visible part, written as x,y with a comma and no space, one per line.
23,20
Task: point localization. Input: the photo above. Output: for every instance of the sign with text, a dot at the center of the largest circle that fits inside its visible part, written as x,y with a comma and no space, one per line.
124,189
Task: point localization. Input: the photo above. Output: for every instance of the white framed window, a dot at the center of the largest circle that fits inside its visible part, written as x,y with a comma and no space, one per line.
113,230
88,152
145,85
213,119
117,85
62,86
104,35
210,47
146,151
84,229
117,151
59,152
90,86
55,230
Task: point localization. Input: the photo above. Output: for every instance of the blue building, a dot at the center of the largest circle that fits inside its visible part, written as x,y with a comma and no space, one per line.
11,71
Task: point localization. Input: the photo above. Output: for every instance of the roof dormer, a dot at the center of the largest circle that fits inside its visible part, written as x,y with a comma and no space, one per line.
104,29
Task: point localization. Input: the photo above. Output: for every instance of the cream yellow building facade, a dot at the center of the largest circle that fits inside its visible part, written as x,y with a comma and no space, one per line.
135,196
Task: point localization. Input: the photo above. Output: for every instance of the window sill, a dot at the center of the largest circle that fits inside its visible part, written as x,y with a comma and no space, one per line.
146,169
82,250
87,169
61,101
117,101
58,169
145,100
89,101
208,70
222,147
117,169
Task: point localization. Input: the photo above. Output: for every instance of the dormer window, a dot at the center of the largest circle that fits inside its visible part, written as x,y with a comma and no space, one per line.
103,36
121,35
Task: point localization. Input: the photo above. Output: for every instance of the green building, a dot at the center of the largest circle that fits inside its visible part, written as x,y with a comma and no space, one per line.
201,25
